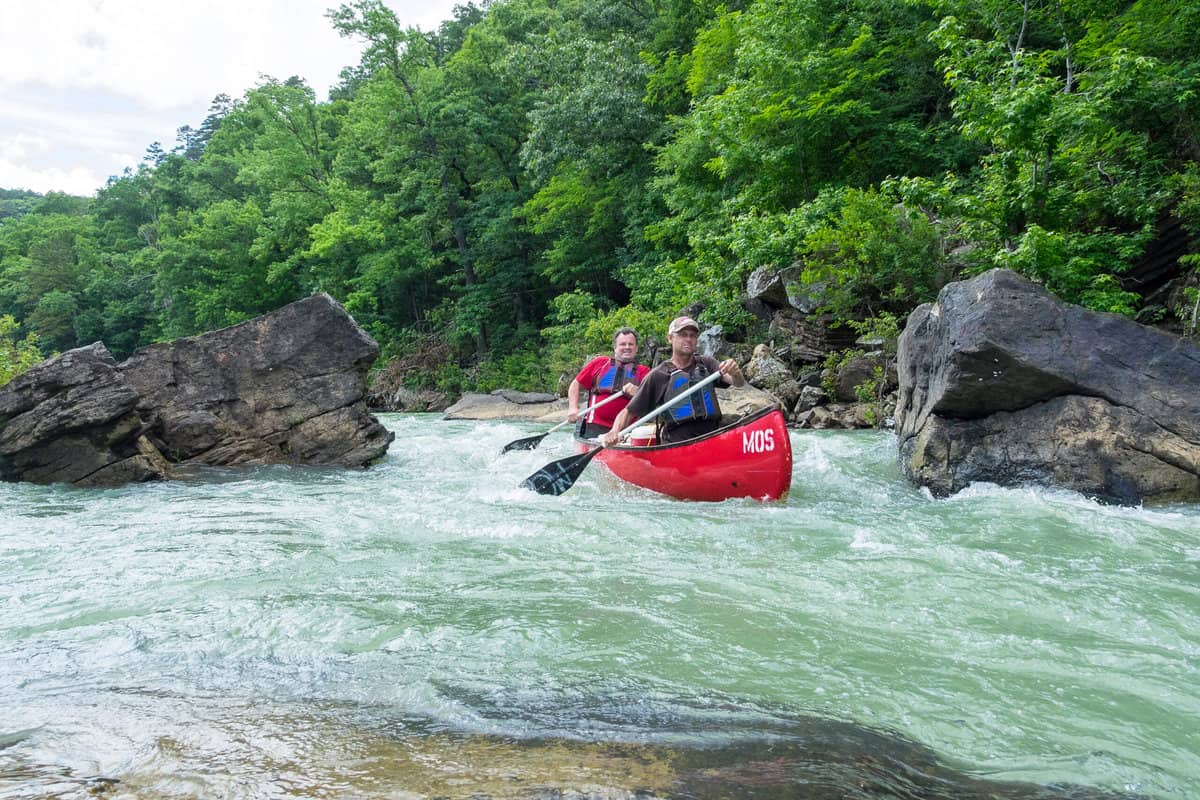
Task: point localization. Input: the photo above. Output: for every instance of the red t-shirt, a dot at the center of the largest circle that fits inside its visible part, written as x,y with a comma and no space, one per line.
587,379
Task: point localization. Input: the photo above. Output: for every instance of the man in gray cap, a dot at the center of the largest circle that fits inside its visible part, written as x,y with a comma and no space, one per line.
698,414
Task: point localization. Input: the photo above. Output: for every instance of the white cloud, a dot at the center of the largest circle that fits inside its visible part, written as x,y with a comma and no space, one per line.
167,52
20,145
74,180
96,77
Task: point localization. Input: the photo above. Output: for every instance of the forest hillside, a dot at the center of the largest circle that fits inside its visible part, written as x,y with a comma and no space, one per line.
491,200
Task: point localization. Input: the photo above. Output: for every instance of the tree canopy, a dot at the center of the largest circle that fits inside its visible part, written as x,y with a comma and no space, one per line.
534,173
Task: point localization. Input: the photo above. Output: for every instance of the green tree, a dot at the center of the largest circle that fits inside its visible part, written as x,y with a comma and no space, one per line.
586,154
44,258
17,354
1069,107
415,158
209,273
17,203
791,99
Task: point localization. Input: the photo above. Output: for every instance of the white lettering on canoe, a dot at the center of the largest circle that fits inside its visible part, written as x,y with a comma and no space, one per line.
758,441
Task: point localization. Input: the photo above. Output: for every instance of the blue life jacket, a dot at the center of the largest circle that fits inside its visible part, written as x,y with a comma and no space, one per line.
701,405
614,377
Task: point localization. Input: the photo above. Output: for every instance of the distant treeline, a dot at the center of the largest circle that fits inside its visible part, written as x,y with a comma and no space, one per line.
503,193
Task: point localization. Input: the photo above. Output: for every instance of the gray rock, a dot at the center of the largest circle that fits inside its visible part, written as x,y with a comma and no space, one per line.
73,419
738,400
811,377
766,285
1001,382
835,416
806,297
499,407
386,394
765,371
787,393
286,387
420,400
810,397
711,342
759,309
525,398
148,464
807,339
1077,442
857,371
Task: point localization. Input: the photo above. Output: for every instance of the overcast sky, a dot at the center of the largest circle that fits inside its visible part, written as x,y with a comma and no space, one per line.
87,85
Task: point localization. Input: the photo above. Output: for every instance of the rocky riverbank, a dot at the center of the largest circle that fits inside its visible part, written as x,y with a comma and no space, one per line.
996,382
787,370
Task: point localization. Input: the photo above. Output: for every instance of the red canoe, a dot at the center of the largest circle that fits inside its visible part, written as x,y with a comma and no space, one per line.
750,457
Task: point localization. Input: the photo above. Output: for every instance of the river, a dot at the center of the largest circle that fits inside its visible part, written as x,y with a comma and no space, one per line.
425,628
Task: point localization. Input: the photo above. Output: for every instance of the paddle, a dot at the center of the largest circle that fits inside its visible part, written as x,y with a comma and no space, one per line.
531,442
558,476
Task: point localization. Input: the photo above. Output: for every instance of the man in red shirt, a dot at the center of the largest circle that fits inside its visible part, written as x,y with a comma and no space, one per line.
603,377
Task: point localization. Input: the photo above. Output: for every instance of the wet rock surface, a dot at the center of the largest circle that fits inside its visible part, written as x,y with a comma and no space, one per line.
286,387
813,759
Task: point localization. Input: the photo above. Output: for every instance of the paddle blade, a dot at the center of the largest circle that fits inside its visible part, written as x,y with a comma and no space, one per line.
528,443
558,476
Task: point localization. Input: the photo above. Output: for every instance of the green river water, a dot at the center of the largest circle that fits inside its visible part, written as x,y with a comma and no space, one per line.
426,629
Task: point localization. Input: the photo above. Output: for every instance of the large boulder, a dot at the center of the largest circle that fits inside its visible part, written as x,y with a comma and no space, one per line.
286,387
1001,382
74,419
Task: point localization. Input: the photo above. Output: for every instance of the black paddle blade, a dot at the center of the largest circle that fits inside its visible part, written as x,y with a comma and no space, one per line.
528,443
558,476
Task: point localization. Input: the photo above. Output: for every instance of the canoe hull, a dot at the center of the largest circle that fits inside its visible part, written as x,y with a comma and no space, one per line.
751,458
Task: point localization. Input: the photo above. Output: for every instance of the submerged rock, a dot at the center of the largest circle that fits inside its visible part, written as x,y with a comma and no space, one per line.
1001,382
805,759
